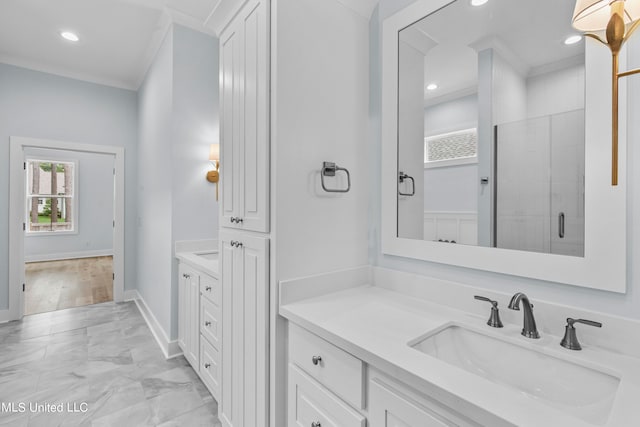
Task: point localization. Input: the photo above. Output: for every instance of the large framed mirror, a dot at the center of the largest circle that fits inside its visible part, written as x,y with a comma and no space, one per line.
495,121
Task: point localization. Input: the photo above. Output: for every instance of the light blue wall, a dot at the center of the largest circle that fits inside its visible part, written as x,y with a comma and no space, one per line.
40,105
178,110
94,202
627,305
155,170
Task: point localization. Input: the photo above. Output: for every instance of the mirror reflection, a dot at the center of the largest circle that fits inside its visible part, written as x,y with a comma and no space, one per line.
491,127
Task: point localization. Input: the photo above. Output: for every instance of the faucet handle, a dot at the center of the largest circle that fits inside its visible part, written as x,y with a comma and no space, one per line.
570,339
494,320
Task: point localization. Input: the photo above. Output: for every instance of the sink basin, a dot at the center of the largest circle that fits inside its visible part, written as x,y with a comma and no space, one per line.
209,256
586,393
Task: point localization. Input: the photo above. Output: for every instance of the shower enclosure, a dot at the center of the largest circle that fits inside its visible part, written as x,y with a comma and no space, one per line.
539,185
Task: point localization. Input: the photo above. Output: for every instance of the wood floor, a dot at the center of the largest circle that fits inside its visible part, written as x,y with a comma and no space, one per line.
56,285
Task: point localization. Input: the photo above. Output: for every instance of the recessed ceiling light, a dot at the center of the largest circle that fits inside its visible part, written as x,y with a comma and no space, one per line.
432,86
68,35
478,2
572,39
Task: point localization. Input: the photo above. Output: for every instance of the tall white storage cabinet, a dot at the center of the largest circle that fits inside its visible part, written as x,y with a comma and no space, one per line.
244,92
244,238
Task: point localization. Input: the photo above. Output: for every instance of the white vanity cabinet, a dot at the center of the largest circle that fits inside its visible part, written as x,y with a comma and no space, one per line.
200,324
245,334
244,90
329,387
189,313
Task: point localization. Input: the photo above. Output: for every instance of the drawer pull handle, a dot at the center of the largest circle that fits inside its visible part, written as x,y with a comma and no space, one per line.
207,365
208,289
316,360
207,323
316,424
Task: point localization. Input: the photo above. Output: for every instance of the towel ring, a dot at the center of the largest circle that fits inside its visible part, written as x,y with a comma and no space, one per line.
330,169
402,177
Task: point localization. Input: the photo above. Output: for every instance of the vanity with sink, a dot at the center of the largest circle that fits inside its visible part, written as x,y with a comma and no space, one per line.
366,351
199,310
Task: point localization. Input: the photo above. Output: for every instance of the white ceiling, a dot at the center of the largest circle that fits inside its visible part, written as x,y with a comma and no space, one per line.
529,34
118,38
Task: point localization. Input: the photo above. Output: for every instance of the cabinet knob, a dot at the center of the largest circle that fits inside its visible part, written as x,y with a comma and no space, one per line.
239,220
316,424
207,365
208,288
207,323
186,276
233,219
316,360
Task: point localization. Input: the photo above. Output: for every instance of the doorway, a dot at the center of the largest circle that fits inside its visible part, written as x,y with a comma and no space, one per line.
69,229
59,225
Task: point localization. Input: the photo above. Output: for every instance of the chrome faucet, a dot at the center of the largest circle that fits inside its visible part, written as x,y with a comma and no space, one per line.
529,329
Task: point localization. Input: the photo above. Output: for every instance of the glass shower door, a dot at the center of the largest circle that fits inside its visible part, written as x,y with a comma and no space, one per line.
539,192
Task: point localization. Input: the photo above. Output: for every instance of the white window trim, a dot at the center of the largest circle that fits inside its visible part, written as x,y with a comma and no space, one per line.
74,231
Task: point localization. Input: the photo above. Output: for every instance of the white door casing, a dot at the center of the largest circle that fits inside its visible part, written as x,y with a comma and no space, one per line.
17,197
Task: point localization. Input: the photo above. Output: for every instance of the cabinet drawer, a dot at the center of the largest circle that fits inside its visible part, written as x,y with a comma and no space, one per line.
311,403
210,288
210,326
210,368
339,371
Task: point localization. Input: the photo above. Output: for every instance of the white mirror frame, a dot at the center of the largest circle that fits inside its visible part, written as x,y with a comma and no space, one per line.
605,253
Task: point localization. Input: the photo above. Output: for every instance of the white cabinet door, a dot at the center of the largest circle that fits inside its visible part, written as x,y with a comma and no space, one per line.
244,88
230,108
245,333
310,404
397,406
182,308
189,314
193,323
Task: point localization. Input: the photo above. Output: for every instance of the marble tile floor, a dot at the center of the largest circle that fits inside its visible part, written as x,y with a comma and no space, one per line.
100,366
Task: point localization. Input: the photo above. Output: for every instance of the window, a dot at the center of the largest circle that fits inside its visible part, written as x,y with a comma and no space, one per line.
453,148
51,201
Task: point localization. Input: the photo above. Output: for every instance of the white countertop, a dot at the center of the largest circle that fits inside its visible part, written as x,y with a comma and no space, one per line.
375,325
202,260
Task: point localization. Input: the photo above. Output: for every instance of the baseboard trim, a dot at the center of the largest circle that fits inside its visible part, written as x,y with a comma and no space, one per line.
131,295
4,316
170,349
68,255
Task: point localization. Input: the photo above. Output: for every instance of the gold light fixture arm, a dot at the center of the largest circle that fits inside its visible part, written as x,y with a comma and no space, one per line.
596,37
616,35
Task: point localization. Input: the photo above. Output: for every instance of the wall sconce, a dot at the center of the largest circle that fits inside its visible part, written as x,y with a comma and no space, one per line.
214,158
611,23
